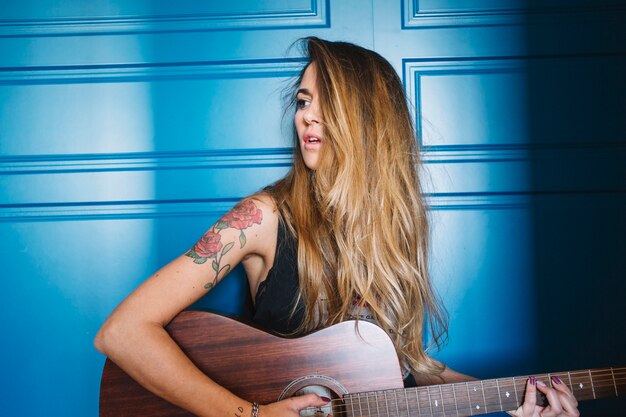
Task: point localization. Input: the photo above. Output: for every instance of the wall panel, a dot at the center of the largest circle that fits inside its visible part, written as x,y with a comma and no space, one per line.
128,127
78,18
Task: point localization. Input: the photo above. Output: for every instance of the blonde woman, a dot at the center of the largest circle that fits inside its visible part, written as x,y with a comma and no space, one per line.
344,235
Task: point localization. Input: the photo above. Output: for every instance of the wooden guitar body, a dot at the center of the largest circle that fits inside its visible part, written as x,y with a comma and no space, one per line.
259,366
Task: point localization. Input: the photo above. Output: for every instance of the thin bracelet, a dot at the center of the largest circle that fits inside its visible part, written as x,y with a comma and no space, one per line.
255,410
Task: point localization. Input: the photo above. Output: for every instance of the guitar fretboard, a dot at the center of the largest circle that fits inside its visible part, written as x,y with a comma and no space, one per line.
479,397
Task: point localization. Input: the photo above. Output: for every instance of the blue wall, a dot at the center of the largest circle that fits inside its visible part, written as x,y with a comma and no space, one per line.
127,128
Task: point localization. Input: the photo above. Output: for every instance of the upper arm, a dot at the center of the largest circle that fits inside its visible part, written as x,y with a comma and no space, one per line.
247,229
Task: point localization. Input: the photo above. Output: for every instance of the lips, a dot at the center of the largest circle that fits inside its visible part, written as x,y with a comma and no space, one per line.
311,139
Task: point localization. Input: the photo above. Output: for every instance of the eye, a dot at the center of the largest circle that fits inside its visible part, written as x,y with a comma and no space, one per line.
302,103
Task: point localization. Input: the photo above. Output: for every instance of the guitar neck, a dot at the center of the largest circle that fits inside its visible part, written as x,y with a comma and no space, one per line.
480,397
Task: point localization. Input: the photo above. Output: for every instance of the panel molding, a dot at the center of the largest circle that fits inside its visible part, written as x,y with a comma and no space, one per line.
115,210
451,154
415,18
153,209
71,74
145,161
213,208
282,157
413,69
317,15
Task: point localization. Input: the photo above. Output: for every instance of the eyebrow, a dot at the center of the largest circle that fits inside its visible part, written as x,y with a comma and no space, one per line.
304,91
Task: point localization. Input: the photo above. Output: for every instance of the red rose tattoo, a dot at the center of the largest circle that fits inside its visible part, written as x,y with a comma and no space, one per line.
209,245
242,216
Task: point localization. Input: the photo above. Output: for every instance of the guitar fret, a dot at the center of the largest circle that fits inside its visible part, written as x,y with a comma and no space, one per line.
395,396
569,377
580,385
406,399
482,386
351,406
462,398
614,383
476,398
515,390
493,401
448,400
593,390
435,400
430,403
456,404
367,398
507,394
469,399
417,398
386,403
443,404
604,382
499,395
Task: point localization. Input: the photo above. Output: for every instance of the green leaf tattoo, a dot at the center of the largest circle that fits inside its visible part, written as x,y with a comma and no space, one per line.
227,248
242,216
242,239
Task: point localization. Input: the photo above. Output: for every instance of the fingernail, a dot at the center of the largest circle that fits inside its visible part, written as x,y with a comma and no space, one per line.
532,380
540,383
556,380
325,399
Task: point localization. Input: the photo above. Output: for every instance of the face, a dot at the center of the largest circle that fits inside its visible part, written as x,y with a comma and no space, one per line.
308,119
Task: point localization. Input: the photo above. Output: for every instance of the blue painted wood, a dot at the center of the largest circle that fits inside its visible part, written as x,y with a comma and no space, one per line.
127,128
36,18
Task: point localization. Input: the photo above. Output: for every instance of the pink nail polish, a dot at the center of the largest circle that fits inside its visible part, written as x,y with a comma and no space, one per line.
532,380
325,399
556,380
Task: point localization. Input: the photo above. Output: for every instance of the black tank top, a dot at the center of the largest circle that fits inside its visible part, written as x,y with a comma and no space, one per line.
277,294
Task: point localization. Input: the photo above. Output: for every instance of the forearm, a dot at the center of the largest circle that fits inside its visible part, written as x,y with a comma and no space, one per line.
148,354
447,376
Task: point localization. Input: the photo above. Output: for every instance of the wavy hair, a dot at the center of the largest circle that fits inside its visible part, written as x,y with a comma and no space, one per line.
360,218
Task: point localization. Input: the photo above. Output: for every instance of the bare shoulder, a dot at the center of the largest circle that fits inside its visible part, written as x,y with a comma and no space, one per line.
263,201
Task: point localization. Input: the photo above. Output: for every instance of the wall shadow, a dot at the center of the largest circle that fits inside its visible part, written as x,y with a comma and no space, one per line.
576,90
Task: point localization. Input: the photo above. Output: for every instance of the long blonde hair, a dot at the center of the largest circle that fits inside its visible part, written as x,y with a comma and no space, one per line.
360,219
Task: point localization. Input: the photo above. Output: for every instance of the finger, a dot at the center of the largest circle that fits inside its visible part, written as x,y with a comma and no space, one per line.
308,400
568,400
555,407
558,385
530,399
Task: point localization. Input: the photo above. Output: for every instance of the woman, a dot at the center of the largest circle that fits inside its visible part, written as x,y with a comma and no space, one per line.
343,235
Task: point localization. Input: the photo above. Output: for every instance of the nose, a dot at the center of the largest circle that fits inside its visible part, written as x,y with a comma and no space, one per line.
311,115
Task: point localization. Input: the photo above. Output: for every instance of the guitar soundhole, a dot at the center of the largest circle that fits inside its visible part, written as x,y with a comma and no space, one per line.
322,386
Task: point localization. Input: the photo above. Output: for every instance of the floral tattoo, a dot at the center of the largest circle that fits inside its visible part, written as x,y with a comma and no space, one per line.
241,217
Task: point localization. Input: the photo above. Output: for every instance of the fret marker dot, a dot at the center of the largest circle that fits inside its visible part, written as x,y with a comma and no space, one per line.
475,389
478,407
508,394
436,403
581,385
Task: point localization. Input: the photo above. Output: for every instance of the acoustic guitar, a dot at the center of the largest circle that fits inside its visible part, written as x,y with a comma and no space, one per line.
356,366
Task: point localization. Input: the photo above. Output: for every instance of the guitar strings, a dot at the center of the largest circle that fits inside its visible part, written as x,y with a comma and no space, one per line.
612,378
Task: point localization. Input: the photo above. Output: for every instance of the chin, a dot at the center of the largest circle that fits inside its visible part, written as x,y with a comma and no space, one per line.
311,165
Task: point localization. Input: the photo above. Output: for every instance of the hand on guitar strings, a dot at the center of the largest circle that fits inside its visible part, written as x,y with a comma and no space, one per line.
561,401
291,407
